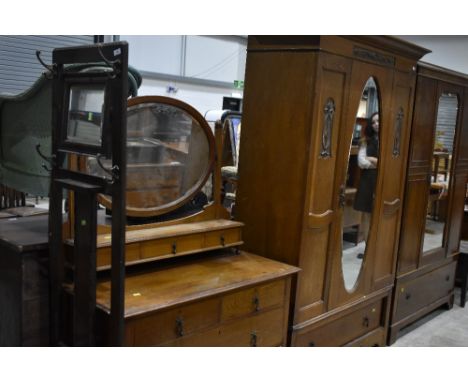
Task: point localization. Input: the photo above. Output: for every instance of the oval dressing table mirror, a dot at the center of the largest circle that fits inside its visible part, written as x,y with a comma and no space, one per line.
170,156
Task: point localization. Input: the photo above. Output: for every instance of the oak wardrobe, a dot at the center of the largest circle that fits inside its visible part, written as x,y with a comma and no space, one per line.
325,137
434,198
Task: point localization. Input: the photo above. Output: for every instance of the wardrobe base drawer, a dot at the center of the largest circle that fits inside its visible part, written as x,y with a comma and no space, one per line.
418,293
376,337
339,331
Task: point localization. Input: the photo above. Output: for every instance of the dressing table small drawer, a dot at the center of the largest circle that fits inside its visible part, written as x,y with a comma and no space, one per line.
104,255
171,246
223,238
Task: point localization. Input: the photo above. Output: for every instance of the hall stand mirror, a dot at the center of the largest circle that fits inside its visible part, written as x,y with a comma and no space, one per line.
358,192
299,145
435,197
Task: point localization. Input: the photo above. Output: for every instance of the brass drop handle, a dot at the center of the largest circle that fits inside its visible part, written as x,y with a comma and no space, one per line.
365,322
222,240
174,248
256,302
408,295
180,326
342,197
253,338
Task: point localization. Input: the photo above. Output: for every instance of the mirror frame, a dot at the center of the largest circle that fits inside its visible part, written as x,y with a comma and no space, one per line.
192,112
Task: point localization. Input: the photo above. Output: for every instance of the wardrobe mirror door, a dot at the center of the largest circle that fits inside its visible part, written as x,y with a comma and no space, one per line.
440,172
358,191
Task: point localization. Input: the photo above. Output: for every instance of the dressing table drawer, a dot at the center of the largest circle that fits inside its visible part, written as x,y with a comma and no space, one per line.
266,329
342,330
169,325
172,246
253,300
223,238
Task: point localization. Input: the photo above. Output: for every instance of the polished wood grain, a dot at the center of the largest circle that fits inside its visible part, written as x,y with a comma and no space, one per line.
184,283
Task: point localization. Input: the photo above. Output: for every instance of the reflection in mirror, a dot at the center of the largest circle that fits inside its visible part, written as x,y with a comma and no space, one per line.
85,114
440,171
168,156
357,195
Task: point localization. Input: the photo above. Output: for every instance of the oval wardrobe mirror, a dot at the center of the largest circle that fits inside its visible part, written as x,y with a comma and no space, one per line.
170,155
358,192
440,172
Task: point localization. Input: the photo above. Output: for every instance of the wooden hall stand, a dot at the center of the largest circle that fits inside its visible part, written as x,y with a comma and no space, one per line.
291,187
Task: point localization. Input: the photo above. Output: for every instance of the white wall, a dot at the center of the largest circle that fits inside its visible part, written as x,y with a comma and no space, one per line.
211,60
450,52
202,98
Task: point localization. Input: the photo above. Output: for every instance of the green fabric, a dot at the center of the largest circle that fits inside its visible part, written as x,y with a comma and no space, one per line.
25,121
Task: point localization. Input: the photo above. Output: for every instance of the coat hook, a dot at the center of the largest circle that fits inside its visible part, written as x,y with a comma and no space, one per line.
46,168
46,158
112,64
113,171
50,68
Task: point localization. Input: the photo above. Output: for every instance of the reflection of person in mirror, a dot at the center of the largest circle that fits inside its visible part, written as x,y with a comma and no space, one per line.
367,160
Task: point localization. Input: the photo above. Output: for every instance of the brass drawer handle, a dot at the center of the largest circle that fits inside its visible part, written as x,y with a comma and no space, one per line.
180,326
174,248
256,302
222,240
408,296
253,339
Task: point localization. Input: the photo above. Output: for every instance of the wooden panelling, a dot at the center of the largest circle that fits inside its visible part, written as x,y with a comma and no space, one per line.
413,223
457,212
335,77
275,124
425,111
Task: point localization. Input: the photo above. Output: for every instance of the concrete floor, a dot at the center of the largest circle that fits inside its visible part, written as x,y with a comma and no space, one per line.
441,327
